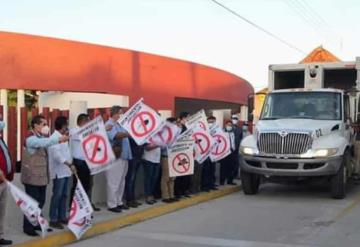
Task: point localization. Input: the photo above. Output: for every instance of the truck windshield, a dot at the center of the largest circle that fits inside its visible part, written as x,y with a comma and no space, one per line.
312,105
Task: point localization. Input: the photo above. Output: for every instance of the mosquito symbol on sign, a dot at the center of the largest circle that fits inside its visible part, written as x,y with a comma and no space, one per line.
183,162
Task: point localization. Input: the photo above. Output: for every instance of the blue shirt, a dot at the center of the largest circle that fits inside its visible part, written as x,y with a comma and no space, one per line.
34,142
125,144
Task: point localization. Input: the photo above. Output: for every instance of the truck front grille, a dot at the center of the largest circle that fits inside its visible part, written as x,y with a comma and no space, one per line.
276,143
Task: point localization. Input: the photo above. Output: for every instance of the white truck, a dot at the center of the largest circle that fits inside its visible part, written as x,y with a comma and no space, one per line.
305,128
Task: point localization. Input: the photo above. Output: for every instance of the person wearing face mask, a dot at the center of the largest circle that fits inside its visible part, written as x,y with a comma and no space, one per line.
209,168
182,184
116,175
6,173
34,164
60,163
229,163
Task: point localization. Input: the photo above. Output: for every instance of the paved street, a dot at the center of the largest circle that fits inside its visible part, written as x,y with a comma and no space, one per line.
280,215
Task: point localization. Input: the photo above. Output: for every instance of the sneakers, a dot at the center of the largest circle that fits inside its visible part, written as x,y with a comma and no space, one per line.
115,210
5,242
56,225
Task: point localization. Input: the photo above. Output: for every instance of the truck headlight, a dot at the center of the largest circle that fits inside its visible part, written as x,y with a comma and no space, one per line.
325,152
248,150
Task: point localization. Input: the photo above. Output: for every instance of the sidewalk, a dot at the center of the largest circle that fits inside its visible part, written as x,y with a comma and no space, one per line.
105,221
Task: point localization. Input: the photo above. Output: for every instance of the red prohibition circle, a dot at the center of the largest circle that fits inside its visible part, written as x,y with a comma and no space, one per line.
198,138
202,125
80,222
146,129
219,139
98,140
181,160
73,210
169,135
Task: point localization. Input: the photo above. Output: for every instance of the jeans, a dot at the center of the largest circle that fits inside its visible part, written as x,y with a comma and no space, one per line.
130,179
58,205
39,194
151,173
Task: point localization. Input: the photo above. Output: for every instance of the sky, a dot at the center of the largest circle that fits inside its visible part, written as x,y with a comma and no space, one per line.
199,30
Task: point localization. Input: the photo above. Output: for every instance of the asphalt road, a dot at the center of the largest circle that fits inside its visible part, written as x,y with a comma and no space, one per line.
280,215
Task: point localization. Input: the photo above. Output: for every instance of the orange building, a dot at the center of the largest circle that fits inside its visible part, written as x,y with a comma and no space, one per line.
49,64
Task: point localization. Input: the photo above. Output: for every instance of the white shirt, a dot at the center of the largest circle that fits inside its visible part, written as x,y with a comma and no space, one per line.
58,155
153,155
75,145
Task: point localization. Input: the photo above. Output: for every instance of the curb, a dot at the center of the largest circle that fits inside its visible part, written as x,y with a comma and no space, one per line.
66,237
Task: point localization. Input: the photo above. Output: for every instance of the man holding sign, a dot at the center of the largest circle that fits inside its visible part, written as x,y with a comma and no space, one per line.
116,175
141,122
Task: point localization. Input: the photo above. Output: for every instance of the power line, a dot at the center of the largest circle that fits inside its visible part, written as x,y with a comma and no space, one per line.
313,19
259,27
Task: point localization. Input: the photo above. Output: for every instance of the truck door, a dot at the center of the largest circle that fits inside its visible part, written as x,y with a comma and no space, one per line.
347,118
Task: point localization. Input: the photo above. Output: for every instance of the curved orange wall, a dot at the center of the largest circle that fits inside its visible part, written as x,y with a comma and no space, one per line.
33,62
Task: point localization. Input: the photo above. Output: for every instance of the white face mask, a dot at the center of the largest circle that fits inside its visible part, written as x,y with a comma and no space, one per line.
234,121
228,128
2,125
211,125
45,130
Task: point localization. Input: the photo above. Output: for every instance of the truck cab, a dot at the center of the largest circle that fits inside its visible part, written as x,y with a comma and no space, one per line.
305,127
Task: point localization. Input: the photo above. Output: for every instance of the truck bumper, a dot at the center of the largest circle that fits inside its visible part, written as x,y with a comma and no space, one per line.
291,167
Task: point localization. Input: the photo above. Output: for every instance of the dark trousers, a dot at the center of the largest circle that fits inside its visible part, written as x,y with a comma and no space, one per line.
237,164
130,179
208,175
182,185
227,168
83,173
39,194
196,178
151,174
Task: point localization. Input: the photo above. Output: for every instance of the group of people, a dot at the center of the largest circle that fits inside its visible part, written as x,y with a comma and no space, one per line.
58,156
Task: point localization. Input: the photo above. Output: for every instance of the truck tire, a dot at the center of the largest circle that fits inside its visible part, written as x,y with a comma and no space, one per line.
250,183
339,180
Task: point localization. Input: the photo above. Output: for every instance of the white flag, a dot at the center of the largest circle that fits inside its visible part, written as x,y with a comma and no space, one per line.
95,145
80,213
29,207
198,119
166,136
44,225
142,122
181,158
203,142
222,148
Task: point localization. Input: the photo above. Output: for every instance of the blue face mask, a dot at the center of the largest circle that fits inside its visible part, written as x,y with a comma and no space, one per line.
2,125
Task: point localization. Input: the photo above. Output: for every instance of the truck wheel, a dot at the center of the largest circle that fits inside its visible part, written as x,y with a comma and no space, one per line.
250,183
338,181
